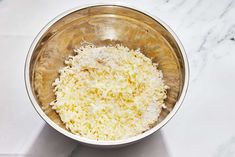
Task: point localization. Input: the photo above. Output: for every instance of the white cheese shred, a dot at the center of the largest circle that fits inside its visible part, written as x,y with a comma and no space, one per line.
109,93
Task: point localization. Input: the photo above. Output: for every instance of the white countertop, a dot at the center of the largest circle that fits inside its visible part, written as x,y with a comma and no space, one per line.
205,124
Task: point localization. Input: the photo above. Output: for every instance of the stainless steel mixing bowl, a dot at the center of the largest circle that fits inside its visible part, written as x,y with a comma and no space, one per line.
104,25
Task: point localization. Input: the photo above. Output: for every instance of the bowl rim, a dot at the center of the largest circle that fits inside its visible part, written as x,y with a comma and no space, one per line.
96,142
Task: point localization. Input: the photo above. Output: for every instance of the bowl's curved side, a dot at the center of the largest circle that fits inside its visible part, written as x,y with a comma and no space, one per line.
31,57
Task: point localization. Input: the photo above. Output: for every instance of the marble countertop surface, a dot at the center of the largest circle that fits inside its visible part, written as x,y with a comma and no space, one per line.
205,124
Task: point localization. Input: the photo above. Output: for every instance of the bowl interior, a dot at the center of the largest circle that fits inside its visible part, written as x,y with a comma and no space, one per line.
104,25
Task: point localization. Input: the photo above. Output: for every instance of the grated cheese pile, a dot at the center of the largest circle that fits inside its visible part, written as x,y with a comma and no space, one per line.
109,93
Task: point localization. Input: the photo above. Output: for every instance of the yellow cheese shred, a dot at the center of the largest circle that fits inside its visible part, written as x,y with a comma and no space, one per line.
109,92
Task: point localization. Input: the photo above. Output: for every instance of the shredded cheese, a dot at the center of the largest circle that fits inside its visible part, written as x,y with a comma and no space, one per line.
109,93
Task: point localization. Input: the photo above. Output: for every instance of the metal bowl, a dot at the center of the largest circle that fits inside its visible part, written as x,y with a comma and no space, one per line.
104,25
